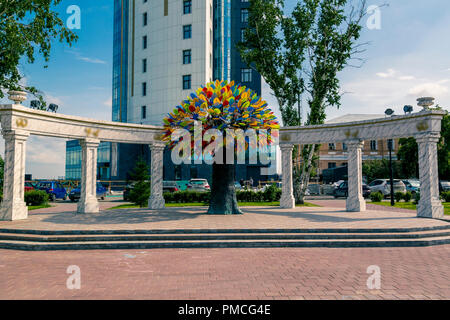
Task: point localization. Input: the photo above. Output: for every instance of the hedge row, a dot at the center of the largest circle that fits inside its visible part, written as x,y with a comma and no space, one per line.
269,194
36,198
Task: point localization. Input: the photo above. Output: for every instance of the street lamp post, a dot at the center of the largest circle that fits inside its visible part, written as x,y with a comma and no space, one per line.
391,172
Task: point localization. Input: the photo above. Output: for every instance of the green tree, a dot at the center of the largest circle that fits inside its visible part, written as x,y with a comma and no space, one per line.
408,153
302,52
408,156
27,26
379,169
140,177
444,148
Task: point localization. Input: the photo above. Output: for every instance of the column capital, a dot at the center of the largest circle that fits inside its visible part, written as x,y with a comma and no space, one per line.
157,146
286,147
90,142
15,134
428,137
354,144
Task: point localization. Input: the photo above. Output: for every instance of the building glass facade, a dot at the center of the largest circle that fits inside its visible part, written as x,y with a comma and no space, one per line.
222,40
227,26
120,61
73,160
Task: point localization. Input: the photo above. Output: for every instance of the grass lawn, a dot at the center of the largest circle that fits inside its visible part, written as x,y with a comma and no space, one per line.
30,208
200,204
410,205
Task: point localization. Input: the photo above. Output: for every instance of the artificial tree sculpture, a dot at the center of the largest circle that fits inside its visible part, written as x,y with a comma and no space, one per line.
212,119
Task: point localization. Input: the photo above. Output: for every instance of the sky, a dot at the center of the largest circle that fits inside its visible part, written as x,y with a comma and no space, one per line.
407,57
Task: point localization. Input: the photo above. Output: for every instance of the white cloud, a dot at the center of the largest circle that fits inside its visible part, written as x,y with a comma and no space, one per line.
91,60
389,74
434,89
53,99
405,78
80,57
108,102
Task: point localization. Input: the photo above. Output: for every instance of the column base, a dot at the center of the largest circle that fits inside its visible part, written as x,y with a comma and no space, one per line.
11,211
430,209
156,202
355,205
287,202
88,206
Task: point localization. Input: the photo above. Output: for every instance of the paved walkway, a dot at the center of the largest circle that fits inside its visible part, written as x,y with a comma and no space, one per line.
271,273
281,273
64,217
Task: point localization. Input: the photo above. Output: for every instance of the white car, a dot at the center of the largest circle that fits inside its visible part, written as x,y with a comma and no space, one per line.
384,186
201,185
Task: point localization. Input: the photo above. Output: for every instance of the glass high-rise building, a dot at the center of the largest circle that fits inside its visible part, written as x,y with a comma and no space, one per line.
163,50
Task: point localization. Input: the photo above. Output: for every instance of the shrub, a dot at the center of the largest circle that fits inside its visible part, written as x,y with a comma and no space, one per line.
417,198
398,196
36,198
376,196
271,193
446,196
407,196
187,197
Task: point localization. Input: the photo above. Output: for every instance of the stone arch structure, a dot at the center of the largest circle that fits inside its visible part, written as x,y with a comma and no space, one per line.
425,126
19,122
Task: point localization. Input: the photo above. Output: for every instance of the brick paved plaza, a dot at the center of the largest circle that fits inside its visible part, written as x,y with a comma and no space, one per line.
279,273
226,273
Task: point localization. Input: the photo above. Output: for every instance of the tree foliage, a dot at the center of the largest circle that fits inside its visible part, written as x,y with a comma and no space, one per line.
408,156
302,52
408,153
379,169
27,26
140,192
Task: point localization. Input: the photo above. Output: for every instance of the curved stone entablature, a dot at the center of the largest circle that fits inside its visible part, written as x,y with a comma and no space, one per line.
43,123
383,128
19,122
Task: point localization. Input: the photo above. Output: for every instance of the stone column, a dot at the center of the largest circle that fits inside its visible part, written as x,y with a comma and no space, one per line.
355,200
13,204
156,200
88,202
287,200
429,205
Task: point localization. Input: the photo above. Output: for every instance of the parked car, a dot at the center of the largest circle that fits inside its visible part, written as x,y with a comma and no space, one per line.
444,186
54,189
342,190
412,185
29,186
75,194
384,186
126,191
170,186
198,185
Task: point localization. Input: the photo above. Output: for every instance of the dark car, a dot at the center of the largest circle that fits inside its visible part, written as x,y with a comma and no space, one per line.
75,194
170,186
54,189
342,190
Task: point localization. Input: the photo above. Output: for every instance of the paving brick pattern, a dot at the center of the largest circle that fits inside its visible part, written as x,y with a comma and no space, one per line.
331,215
281,273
